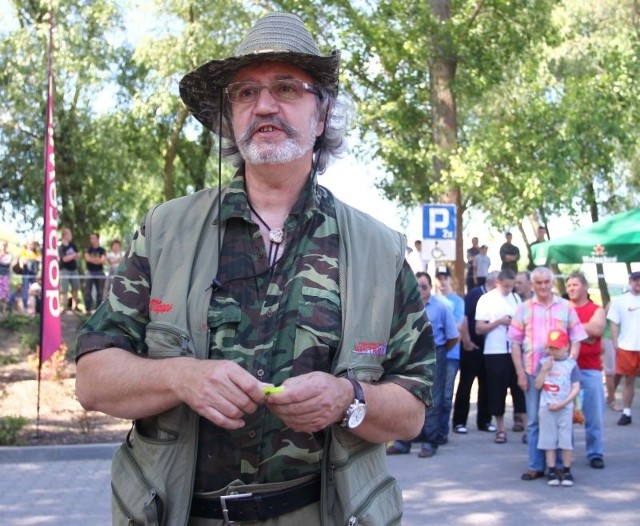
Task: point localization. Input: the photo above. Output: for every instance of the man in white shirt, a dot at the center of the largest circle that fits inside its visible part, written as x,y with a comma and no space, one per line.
493,316
624,315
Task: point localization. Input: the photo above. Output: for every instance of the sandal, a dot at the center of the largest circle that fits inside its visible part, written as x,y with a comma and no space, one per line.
614,405
501,437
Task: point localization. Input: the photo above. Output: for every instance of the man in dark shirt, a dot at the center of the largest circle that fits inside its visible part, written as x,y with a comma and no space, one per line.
94,257
472,252
69,255
509,254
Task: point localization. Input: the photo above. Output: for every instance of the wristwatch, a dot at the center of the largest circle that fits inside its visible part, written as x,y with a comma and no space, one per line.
357,410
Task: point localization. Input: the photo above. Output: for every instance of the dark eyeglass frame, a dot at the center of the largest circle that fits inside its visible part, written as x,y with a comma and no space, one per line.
232,90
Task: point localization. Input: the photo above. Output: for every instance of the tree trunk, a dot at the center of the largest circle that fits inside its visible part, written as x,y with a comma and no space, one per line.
172,152
562,289
593,208
442,72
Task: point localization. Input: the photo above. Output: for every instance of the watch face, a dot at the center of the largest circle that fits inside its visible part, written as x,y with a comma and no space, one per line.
357,415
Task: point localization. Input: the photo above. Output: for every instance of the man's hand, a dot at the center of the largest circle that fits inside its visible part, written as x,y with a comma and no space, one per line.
311,402
221,391
523,382
469,346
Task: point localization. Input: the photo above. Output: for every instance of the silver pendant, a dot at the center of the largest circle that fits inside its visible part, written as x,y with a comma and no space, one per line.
276,235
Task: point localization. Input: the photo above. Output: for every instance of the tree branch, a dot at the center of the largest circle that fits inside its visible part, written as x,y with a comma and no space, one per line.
475,13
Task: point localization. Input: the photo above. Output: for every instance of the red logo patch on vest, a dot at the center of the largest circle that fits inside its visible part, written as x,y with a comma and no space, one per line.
156,305
377,348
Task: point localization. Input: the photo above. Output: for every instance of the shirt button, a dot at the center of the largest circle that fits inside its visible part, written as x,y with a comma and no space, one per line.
260,255
260,372
252,434
269,314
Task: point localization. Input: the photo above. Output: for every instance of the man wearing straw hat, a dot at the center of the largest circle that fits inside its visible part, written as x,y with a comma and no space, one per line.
265,338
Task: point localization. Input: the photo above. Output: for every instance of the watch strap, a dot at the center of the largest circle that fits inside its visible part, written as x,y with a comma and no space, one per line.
357,388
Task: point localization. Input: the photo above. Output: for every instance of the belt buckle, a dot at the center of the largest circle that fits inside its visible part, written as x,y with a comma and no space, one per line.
225,510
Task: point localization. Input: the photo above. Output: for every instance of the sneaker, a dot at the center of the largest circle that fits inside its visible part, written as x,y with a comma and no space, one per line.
460,429
567,479
596,463
624,420
552,478
488,427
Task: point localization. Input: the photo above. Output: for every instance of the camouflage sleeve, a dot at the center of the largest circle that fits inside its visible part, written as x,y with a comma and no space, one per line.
121,319
412,354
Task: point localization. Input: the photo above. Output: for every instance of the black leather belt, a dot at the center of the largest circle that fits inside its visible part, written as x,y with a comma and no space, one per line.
247,507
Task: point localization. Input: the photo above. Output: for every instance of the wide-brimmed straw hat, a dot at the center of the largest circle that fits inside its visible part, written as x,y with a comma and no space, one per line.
277,37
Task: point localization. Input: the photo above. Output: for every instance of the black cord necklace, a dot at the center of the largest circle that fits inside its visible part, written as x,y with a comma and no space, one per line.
276,237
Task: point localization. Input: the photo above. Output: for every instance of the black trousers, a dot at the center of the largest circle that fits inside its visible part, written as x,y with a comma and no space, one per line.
471,367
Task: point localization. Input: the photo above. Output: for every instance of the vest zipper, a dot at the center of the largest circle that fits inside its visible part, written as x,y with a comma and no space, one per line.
124,509
389,481
153,513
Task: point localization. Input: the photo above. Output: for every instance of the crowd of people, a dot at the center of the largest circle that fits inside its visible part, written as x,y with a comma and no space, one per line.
558,358
87,274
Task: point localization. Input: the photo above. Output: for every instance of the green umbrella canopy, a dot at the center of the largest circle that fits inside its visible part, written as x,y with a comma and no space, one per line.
615,239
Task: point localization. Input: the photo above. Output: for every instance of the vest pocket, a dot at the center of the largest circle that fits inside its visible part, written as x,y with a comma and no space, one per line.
363,491
135,499
167,341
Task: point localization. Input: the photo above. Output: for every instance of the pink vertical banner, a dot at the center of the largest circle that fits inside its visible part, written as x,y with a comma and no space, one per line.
50,334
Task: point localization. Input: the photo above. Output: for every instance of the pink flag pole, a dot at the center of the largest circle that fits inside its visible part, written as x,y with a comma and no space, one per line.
50,331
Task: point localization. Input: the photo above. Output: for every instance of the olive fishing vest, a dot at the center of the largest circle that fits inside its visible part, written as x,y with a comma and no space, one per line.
153,471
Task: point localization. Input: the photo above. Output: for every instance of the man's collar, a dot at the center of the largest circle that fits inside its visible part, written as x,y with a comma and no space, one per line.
554,299
235,201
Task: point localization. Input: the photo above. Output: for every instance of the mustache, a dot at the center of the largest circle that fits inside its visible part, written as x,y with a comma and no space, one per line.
289,130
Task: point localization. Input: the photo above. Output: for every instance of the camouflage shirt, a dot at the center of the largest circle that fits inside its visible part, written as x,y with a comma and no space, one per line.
276,322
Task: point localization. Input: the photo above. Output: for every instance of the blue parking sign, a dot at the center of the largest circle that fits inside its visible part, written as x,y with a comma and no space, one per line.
439,221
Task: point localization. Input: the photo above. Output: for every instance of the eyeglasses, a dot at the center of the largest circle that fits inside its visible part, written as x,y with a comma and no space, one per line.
284,90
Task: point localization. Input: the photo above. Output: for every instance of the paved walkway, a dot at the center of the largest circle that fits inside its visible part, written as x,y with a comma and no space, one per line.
471,481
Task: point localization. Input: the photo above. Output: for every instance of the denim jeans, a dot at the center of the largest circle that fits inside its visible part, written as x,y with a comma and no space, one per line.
452,370
95,280
532,398
431,429
593,409
27,280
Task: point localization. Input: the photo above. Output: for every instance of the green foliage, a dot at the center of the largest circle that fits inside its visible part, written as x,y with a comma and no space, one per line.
389,70
29,341
14,322
559,135
10,427
543,95
10,359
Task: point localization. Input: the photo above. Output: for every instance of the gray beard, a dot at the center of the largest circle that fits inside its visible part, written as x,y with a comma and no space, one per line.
291,150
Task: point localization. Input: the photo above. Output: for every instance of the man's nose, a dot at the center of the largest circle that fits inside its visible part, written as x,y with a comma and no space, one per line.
266,101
